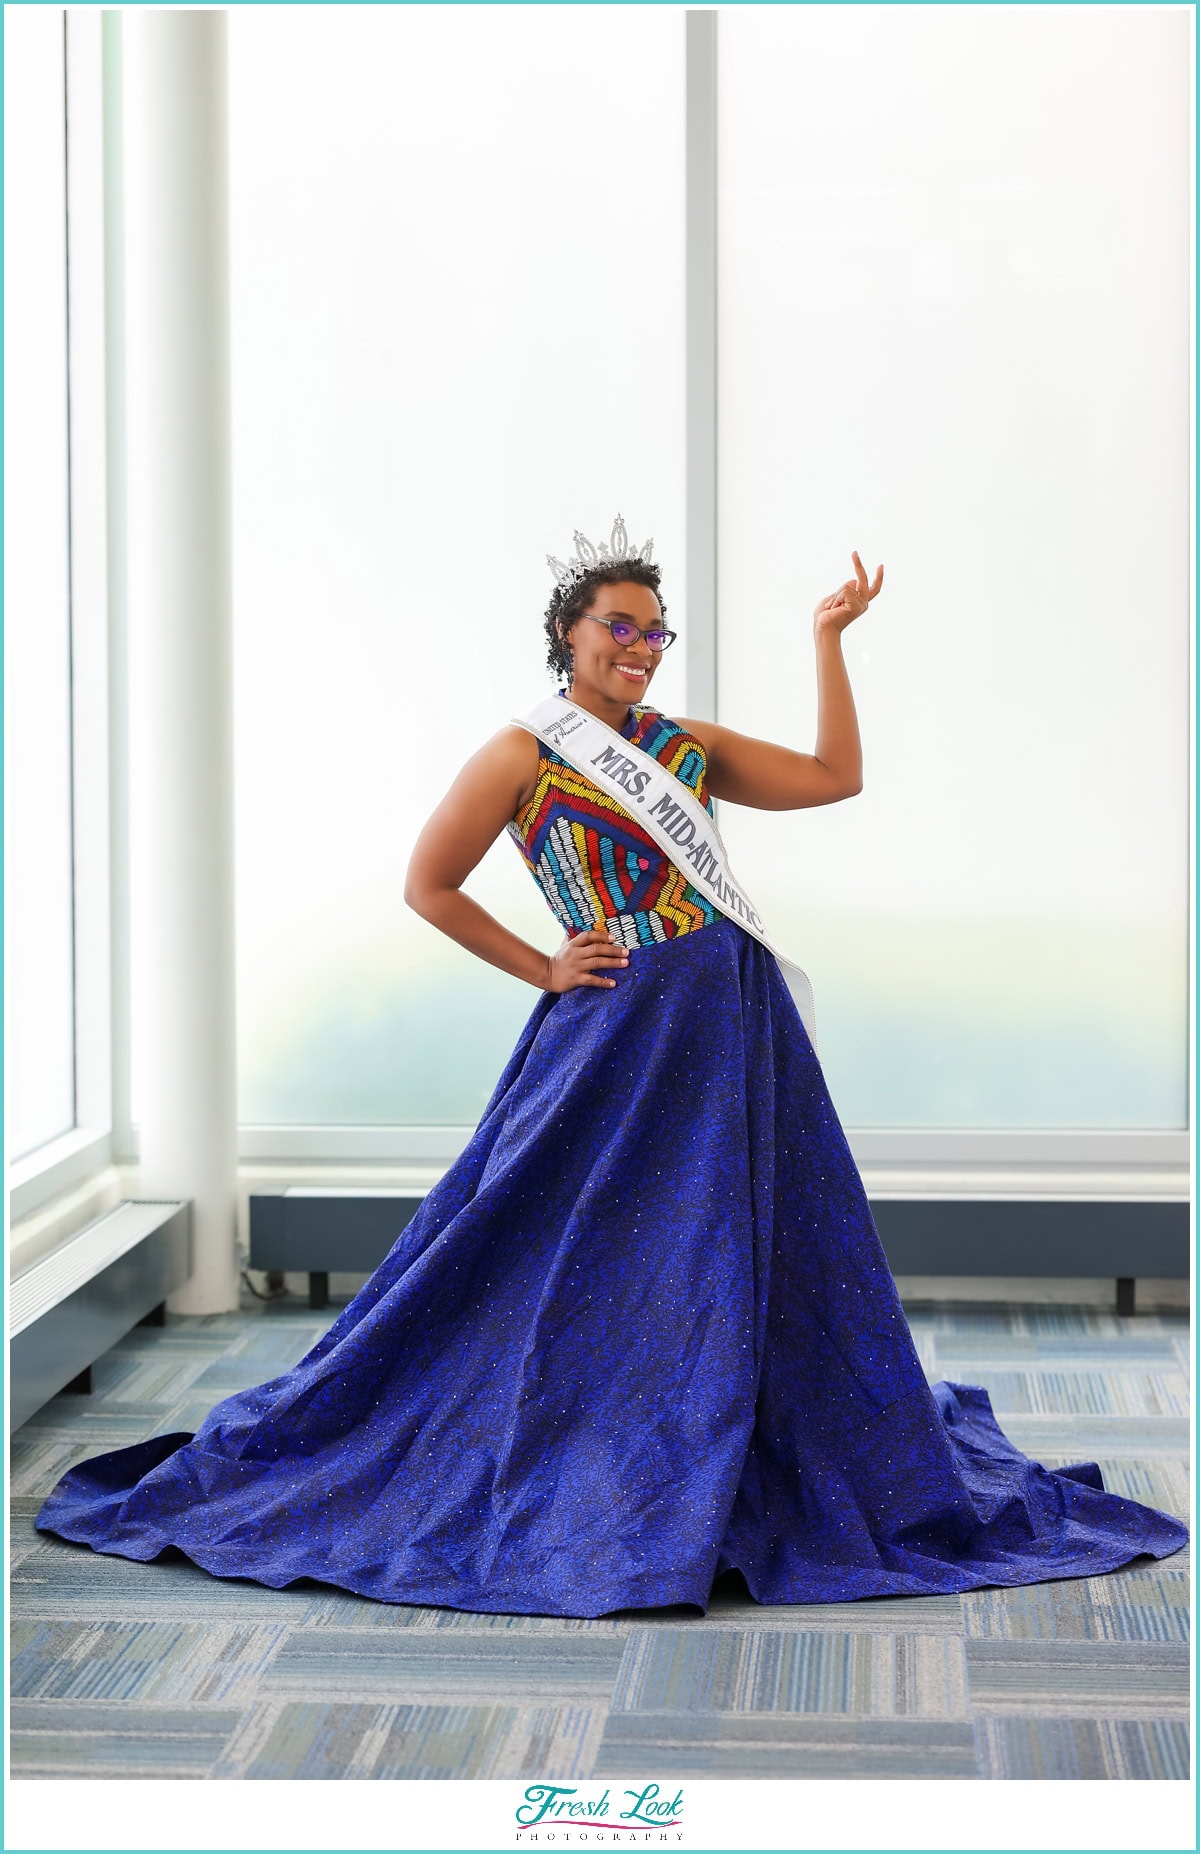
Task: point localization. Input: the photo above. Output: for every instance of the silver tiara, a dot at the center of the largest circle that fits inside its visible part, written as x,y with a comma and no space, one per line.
609,553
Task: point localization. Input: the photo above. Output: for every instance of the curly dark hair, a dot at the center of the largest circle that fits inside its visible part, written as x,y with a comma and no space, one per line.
565,608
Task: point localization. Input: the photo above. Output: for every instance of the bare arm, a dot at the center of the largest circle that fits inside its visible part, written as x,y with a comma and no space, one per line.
773,778
485,796
455,839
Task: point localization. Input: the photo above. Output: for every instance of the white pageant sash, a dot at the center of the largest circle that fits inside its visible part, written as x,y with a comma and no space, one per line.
668,811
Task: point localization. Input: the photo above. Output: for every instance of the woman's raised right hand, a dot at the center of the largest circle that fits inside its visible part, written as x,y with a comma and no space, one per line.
585,960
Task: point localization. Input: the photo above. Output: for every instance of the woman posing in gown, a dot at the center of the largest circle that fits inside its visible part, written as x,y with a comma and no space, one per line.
642,1331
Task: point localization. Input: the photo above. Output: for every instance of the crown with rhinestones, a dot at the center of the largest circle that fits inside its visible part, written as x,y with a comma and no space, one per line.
612,552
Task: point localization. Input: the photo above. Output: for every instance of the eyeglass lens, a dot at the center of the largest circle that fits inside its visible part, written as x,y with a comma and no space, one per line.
625,634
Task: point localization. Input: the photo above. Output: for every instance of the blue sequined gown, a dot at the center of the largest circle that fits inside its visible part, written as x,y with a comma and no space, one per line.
642,1331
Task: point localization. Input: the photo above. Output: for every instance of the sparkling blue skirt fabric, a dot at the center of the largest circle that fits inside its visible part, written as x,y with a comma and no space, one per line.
642,1331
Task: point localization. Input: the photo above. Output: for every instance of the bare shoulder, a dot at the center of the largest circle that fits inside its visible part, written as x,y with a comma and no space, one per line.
512,754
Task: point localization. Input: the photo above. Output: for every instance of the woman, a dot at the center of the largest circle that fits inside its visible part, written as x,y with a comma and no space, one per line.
642,1331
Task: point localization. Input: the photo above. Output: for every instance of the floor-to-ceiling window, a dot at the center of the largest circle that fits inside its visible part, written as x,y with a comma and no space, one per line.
39,923
953,334
457,336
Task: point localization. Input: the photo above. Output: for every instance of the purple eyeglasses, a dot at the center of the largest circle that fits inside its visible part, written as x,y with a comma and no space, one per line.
625,632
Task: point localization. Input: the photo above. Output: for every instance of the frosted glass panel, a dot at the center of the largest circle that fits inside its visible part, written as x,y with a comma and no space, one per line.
457,335
39,966
938,346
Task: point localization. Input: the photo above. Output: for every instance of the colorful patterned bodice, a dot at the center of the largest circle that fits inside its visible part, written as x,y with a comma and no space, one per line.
593,862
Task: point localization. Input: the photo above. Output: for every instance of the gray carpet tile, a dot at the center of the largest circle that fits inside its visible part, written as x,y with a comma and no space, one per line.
186,1415
1110,1679
40,1457
1084,1437
1133,1604
141,1377
210,1663
254,1361
1098,1390
1044,1320
336,1664
794,1745
322,1739
996,1351
121,1669
1086,1750
95,1738
337,1610
51,1586
926,1345
773,1671
920,1615
99,1423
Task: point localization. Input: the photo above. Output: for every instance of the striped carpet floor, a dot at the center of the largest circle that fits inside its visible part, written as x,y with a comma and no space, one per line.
159,1670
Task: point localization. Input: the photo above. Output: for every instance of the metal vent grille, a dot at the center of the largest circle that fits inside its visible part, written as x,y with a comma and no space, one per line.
54,1277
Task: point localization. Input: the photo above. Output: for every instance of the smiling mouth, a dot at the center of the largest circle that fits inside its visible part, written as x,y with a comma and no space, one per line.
631,670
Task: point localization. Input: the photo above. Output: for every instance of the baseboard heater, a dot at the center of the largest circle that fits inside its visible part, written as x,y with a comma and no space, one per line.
70,1306
317,1230
1038,1237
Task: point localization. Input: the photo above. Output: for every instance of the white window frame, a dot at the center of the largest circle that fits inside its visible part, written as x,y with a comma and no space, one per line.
74,1156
